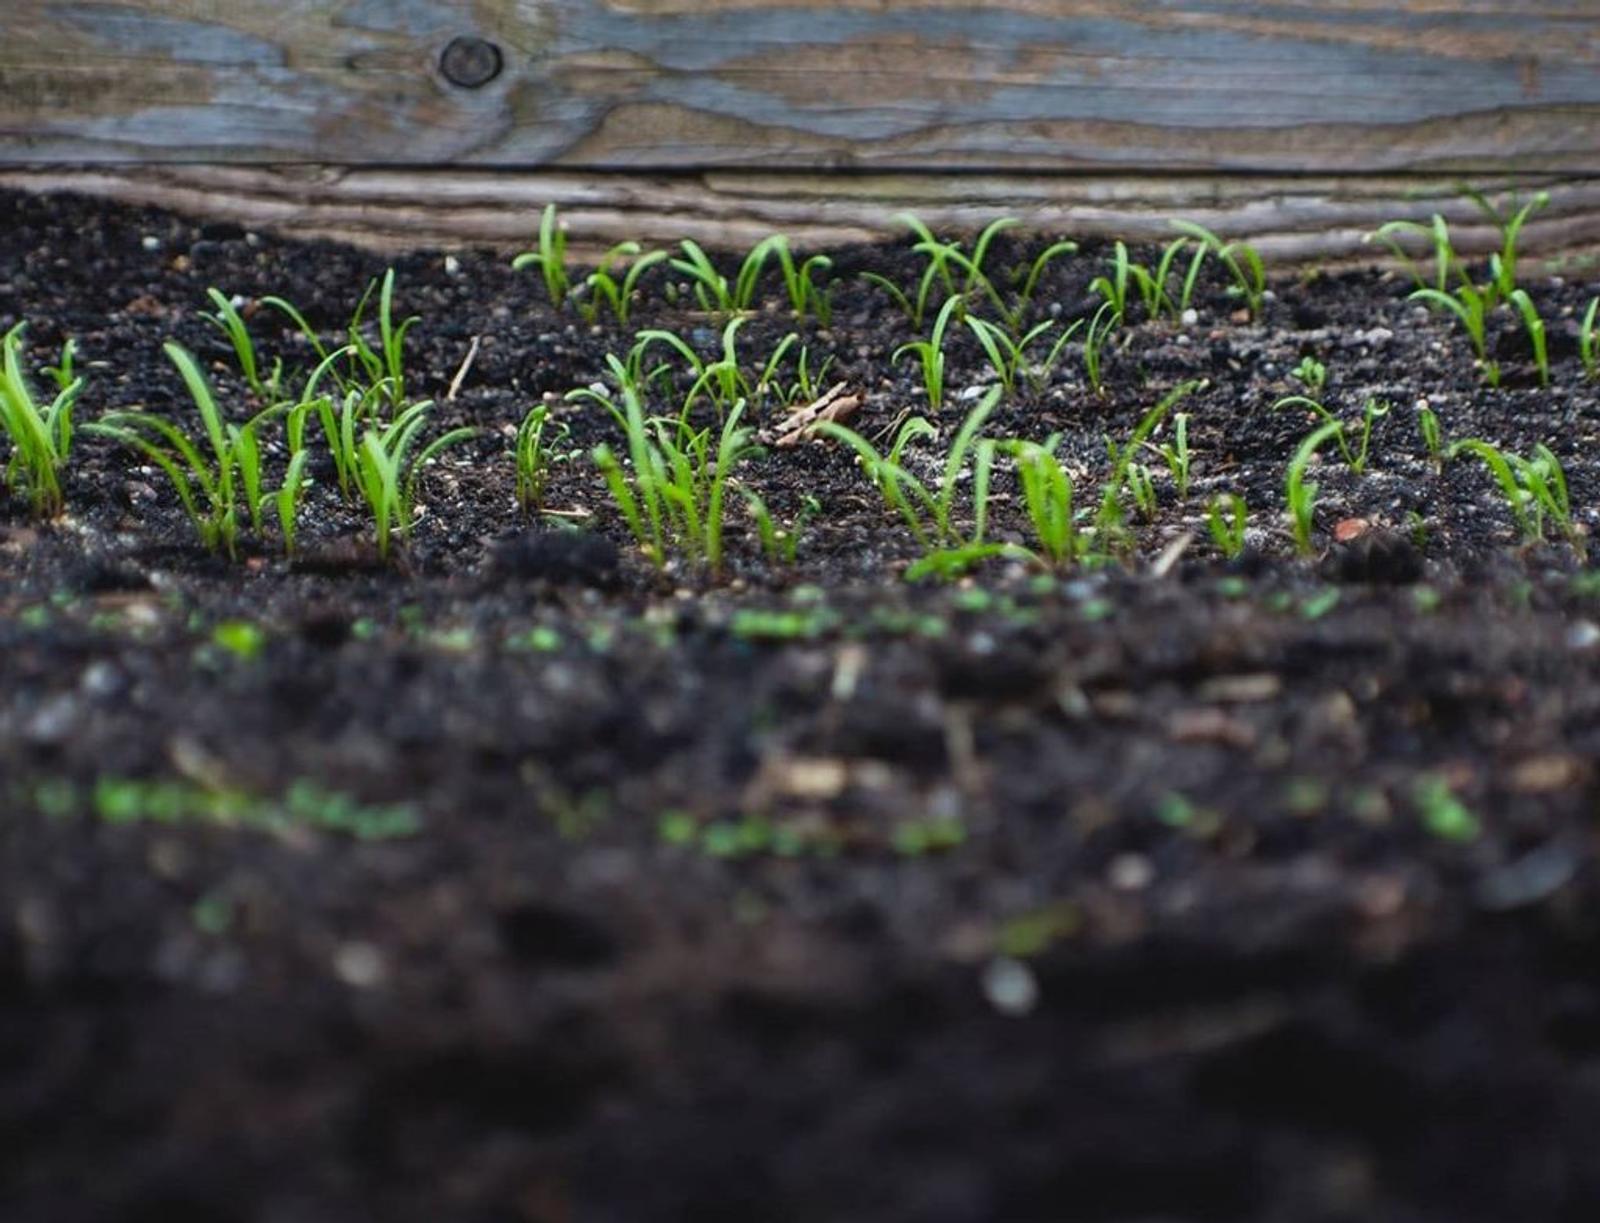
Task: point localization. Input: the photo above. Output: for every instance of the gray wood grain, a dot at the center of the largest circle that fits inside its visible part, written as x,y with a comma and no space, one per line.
1282,86
1300,218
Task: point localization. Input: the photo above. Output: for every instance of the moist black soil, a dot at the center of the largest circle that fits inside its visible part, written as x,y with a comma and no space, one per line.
515,880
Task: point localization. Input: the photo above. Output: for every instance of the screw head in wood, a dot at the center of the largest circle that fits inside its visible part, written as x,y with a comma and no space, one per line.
470,62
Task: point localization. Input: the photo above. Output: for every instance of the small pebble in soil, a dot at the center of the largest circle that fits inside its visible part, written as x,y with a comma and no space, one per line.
359,965
1582,635
1130,873
1010,986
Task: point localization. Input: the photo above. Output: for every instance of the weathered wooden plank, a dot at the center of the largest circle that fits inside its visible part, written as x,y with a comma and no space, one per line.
1279,86
1290,219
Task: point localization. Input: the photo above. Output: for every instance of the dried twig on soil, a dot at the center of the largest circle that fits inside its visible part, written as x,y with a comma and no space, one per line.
836,404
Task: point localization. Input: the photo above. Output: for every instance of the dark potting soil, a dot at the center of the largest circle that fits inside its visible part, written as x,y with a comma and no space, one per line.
517,881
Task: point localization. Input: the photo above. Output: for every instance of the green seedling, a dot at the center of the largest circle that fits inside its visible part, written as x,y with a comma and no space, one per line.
62,373
1047,495
1470,305
550,258
386,363
929,511
1432,436
604,288
1535,328
1311,374
1587,349
532,457
388,466
807,386
944,260
1355,457
1227,519
1436,233
1004,353
806,296
1300,494
1109,519
286,500
1534,489
976,279
343,423
1036,270
208,486
712,289
228,320
676,491
1142,488
1503,264
1114,288
1176,454
1100,328
1038,374
722,380
930,353
1152,286
40,437
1442,813
1242,261
780,545
242,639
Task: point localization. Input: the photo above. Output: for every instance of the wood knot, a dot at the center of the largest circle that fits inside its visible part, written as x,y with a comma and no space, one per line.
470,62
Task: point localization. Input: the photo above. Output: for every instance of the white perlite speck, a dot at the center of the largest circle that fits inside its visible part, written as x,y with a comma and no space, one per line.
1010,986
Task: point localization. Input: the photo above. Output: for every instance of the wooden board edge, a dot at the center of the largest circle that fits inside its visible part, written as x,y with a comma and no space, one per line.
1295,220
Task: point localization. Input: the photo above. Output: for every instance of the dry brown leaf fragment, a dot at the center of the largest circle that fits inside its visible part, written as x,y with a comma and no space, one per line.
836,404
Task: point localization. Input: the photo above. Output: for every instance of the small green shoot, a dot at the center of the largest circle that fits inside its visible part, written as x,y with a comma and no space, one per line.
387,470
228,320
712,289
1153,291
1471,306
1227,519
1535,328
676,490
286,500
1005,355
1114,288
1503,264
929,511
1047,496
1101,326
1109,521
1355,457
1436,233
550,258
208,487
1242,261
1443,814
40,437
780,545
1176,454
806,296
1432,435
386,363
1533,488
604,289
532,457
1301,494
930,353
1587,348
1311,374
